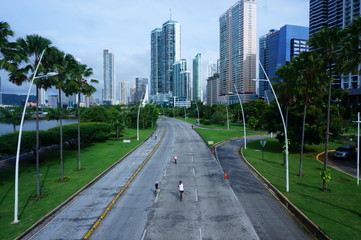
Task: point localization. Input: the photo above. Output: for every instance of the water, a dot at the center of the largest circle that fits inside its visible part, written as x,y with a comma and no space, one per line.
30,125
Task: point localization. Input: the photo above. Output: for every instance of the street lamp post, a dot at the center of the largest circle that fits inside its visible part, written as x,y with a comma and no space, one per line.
16,187
284,125
140,104
226,103
358,149
198,113
244,121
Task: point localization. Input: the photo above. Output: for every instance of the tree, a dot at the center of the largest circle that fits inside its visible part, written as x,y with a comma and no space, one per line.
12,116
79,85
328,44
31,48
9,56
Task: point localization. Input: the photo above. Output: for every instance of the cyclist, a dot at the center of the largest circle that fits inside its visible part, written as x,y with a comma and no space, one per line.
181,190
175,158
156,186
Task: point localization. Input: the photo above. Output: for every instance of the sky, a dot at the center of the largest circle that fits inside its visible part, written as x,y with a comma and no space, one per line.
84,28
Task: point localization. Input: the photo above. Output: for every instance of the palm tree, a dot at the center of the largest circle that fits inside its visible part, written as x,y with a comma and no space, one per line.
9,56
12,116
31,48
328,44
307,85
79,85
61,63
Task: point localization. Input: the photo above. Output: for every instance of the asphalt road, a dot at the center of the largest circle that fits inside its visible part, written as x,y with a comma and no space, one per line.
213,207
268,217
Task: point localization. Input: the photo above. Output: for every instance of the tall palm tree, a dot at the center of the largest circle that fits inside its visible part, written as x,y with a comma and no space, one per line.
31,48
328,45
79,85
309,83
61,63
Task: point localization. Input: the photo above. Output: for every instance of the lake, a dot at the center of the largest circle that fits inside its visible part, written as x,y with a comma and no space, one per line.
30,125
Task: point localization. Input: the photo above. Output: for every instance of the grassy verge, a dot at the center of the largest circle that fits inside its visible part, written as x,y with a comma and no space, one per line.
95,158
337,212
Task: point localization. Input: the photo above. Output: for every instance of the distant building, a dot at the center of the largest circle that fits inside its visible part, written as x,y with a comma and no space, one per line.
141,85
42,96
124,92
278,47
212,68
165,50
213,89
238,48
108,75
197,77
53,101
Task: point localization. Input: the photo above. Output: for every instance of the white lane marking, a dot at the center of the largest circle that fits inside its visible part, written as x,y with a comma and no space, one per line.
131,164
143,236
196,195
165,172
200,233
194,172
192,159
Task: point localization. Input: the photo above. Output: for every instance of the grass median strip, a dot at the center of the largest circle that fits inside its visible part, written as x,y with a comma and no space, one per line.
95,159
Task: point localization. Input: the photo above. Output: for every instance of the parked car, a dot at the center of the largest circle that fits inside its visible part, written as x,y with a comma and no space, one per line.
345,152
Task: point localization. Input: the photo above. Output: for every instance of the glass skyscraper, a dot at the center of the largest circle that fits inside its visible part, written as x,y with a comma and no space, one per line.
108,75
197,77
165,50
238,48
336,13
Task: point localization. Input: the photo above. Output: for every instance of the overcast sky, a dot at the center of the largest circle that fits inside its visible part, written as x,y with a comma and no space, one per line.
84,28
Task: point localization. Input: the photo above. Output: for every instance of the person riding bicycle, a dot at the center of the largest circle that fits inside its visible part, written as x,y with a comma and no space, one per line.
175,158
156,186
181,190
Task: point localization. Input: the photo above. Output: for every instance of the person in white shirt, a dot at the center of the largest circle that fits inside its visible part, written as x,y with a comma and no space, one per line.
181,190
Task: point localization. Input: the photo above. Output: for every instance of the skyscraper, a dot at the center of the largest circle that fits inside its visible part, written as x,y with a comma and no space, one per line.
336,13
197,77
181,78
141,85
238,48
109,78
284,44
124,92
165,50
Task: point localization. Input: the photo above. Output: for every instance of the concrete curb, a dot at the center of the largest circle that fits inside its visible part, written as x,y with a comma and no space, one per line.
52,212
310,226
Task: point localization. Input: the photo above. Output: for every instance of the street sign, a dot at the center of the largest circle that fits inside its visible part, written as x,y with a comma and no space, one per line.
263,143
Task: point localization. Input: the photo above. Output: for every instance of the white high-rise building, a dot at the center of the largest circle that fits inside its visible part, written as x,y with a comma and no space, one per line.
42,96
108,74
238,48
124,92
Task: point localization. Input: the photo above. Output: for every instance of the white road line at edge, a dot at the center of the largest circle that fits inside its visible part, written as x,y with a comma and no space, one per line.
194,172
196,195
200,233
143,236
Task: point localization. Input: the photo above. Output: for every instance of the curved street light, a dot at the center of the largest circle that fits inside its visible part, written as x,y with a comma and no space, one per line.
283,122
244,121
16,187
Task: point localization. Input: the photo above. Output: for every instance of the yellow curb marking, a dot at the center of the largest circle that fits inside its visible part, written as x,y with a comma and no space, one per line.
96,224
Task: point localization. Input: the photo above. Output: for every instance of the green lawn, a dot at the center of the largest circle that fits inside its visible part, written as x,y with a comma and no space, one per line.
95,158
337,212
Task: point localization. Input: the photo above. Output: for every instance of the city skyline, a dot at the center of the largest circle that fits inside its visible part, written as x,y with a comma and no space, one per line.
86,28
